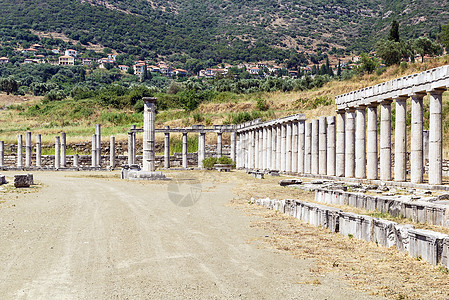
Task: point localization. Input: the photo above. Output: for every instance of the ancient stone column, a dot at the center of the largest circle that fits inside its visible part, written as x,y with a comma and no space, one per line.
416,140
233,146
2,153
315,147
149,135
167,148
251,145
64,149
38,151
19,151
436,137
133,145
269,148
371,143
295,147
264,148
112,152
278,146
360,144
350,143
301,145
288,146
202,138
340,144
184,150
425,146
76,161
261,156
98,145
400,140
130,148
331,146
385,140
283,147
28,149
57,153
273,147
322,146
256,149
219,144
308,149
94,150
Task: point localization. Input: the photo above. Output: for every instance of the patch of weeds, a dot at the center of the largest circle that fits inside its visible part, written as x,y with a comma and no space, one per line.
350,235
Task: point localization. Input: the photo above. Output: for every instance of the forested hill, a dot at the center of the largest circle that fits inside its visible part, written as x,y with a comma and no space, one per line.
224,30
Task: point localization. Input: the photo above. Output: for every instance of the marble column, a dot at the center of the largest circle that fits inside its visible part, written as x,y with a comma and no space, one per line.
130,148
251,152
308,149
98,145
2,153
94,151
340,143
360,149
38,151
19,151
322,146
269,148
288,148
201,149
283,147
76,161
64,149
331,146
400,140
350,143
371,143
57,153
273,147
436,137
112,152
167,148
28,149
264,148
133,145
295,147
385,140
256,149
278,147
148,135
219,144
184,150
301,145
233,146
260,140
315,147
416,140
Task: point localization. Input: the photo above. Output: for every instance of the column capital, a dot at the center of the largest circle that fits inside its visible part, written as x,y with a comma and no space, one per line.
437,91
360,106
340,111
149,99
418,95
386,101
401,98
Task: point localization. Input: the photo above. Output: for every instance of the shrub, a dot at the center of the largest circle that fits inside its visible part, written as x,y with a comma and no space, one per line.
209,162
198,118
262,104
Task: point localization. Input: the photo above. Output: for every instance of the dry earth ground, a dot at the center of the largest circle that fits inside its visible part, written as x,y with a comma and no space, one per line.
91,235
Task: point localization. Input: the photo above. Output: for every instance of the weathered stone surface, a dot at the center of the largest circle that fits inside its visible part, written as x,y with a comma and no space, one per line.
21,181
426,244
285,182
2,179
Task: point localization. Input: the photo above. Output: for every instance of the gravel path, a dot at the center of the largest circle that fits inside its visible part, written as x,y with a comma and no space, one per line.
82,237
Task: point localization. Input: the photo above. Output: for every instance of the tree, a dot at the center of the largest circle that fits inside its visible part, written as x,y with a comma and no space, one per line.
368,64
444,35
390,51
9,85
339,69
424,45
394,31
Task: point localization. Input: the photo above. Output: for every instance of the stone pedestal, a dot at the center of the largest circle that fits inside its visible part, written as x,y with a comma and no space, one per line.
385,140
76,161
340,144
416,143
436,137
360,150
400,140
350,144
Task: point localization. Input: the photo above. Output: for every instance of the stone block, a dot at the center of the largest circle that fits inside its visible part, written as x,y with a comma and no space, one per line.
2,179
21,181
426,244
445,253
384,233
30,178
402,237
286,182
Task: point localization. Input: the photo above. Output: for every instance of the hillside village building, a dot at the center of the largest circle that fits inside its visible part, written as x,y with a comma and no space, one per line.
66,60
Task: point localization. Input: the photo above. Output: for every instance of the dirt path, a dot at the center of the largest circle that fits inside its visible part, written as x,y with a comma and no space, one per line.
96,238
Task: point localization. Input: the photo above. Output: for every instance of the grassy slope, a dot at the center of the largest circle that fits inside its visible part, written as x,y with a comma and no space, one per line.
79,125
